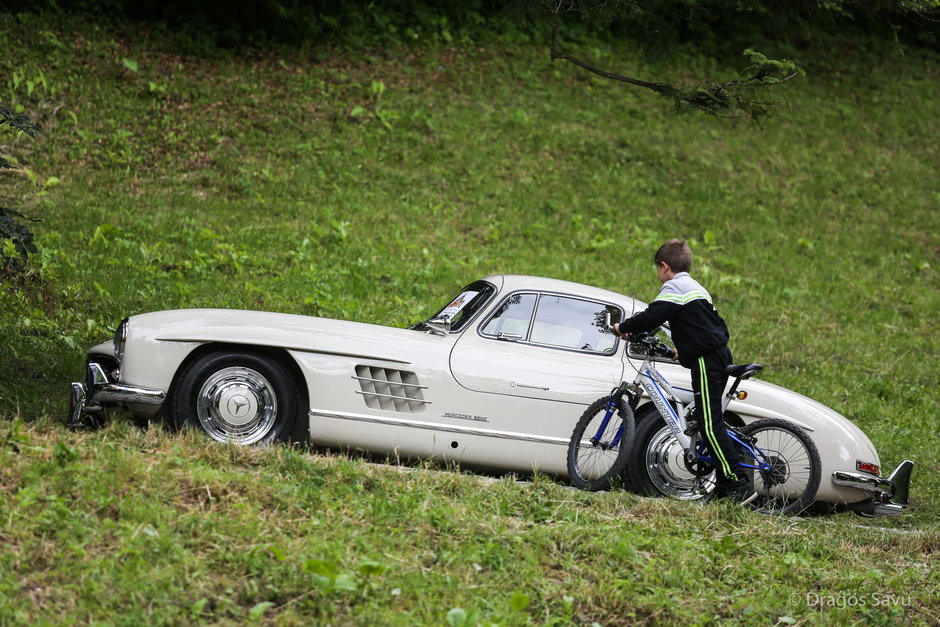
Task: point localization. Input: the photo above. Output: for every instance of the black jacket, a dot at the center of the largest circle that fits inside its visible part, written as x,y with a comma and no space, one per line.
696,327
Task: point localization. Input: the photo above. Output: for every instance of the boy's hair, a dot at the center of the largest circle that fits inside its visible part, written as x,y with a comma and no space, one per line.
676,253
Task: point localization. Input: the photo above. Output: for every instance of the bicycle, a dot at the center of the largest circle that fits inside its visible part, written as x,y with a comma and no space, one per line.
666,456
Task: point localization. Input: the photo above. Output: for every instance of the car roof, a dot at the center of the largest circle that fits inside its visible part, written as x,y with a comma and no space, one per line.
513,282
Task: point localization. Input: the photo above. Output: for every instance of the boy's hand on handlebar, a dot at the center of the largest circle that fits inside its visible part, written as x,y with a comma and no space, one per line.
627,336
672,353
615,328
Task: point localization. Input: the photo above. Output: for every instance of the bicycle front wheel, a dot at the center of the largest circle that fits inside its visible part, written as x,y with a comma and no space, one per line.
600,444
792,469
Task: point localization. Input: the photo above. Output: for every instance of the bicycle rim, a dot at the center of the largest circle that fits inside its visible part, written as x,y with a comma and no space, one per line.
790,482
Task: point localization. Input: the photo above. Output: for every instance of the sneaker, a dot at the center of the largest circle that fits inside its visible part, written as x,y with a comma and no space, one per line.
742,494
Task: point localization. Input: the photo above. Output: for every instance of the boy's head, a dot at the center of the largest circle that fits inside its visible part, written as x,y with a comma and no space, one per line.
673,257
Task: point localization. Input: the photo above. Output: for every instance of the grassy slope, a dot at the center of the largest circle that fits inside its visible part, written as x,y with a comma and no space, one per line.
288,184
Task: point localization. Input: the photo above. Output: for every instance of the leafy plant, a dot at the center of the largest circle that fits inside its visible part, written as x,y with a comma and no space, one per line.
15,236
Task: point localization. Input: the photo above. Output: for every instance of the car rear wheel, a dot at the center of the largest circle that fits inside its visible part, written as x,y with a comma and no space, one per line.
241,398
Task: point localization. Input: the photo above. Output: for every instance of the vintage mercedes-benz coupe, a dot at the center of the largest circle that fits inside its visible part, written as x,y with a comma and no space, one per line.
496,379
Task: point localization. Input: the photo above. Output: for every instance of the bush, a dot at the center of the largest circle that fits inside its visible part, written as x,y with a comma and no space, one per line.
16,238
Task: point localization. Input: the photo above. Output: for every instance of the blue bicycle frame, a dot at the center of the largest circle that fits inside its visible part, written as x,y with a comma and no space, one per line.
702,455
615,395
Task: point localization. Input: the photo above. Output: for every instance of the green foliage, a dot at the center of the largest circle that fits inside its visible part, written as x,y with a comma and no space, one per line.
740,97
16,238
725,27
17,121
217,28
718,27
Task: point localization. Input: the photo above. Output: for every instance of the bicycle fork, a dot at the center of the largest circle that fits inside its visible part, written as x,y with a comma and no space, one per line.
613,402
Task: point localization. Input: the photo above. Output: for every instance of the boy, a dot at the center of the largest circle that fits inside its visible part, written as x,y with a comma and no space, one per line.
701,339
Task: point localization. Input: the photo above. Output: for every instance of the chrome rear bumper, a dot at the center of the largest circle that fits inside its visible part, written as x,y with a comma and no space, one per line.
889,497
97,392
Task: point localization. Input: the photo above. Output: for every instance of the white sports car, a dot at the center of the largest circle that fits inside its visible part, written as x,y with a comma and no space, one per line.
496,379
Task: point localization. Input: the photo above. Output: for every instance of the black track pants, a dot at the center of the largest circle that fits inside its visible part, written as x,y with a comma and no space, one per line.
709,378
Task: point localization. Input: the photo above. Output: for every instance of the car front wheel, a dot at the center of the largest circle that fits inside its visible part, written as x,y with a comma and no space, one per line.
242,398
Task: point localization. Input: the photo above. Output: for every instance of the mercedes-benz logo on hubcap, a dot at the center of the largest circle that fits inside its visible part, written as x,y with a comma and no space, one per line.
238,406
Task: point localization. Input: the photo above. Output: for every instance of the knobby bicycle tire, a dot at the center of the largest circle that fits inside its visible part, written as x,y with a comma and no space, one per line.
593,465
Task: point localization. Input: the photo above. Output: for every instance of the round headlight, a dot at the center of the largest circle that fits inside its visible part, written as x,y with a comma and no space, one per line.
120,339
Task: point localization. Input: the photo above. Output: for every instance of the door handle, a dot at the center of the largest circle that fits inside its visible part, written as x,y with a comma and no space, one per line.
523,385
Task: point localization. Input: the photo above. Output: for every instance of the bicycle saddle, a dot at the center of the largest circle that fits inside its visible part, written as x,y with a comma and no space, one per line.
744,371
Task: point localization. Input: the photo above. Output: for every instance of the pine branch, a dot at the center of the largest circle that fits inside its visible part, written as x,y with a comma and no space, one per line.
733,98
17,121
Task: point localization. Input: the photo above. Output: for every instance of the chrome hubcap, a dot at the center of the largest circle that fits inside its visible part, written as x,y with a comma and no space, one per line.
666,468
237,405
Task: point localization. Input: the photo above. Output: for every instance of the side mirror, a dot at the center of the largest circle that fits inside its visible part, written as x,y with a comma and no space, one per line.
439,326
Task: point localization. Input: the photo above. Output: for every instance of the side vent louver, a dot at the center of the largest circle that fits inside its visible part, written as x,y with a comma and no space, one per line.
393,390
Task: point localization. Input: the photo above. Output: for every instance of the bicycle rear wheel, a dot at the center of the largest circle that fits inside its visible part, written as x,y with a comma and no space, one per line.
789,485
598,452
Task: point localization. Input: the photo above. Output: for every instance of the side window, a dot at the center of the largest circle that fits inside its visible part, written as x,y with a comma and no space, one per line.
511,319
573,323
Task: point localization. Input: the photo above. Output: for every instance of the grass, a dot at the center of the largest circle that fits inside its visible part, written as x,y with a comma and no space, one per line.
134,526
371,186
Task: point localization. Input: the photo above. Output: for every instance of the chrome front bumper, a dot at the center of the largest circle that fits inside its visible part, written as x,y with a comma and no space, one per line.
98,392
889,497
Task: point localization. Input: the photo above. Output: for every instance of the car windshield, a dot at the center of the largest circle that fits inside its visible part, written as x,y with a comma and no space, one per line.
462,308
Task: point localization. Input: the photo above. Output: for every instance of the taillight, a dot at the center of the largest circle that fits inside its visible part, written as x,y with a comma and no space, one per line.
868,467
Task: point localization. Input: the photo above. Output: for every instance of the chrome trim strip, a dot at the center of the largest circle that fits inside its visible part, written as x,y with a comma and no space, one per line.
410,385
436,426
861,481
392,396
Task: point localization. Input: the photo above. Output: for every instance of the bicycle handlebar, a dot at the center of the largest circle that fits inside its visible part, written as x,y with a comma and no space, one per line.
650,344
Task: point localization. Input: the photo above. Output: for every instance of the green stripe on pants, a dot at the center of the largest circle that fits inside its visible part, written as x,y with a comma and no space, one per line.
707,419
